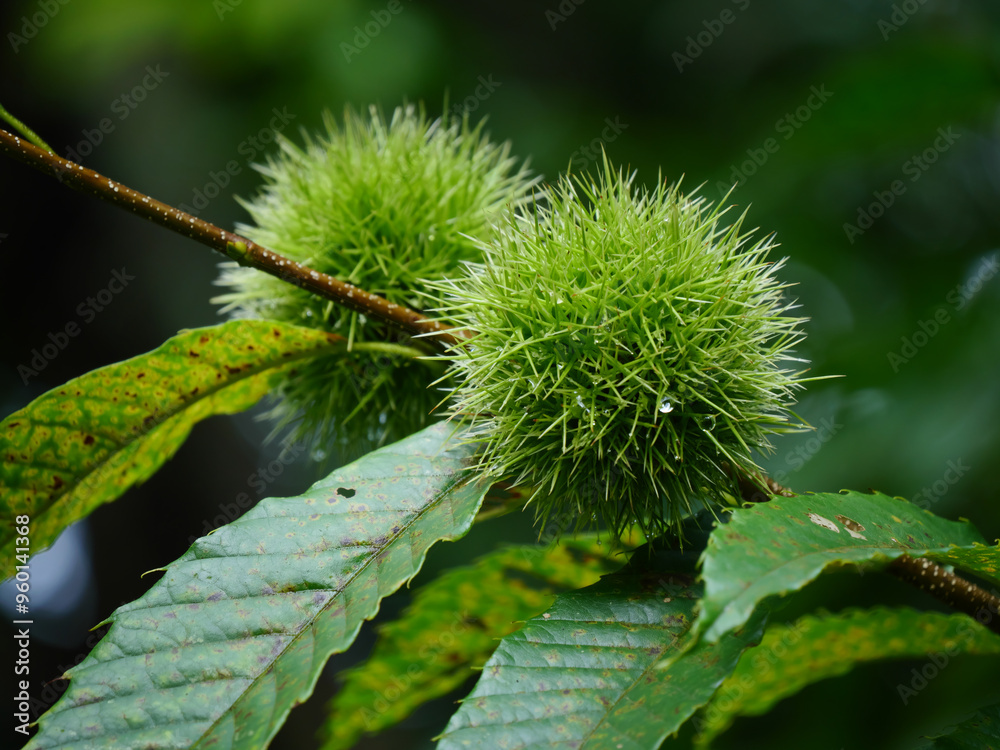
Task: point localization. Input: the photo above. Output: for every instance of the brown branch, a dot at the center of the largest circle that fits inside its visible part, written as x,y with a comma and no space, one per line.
953,590
926,575
243,251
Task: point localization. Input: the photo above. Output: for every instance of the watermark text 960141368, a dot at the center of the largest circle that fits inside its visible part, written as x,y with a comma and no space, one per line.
22,633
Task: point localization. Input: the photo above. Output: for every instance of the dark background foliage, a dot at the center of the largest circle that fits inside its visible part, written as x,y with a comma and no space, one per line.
717,92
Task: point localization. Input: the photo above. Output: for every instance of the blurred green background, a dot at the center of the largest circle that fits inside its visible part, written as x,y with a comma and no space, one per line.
818,110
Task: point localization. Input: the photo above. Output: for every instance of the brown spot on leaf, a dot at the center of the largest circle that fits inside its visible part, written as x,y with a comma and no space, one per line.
57,483
853,527
823,522
193,353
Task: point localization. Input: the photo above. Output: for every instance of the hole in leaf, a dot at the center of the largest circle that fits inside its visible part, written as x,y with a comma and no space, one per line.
345,491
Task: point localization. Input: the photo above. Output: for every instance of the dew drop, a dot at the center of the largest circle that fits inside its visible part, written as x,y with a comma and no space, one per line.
708,422
318,455
666,406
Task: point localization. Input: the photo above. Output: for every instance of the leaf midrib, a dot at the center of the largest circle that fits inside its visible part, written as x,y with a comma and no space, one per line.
606,714
442,495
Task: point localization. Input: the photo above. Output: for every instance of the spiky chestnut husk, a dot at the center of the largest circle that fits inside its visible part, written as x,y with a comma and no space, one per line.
629,354
383,206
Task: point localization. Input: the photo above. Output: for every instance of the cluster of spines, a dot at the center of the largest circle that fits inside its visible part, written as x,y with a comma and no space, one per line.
629,354
385,206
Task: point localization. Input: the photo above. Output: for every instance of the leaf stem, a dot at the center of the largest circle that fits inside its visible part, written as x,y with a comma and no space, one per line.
242,250
947,587
386,347
24,130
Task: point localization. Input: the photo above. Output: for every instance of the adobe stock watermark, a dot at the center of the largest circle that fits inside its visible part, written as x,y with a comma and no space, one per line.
915,167
258,481
363,35
580,159
222,7
53,689
796,458
123,106
938,660
564,10
957,298
248,148
471,103
901,13
937,489
30,25
87,310
704,39
444,639
733,692
786,126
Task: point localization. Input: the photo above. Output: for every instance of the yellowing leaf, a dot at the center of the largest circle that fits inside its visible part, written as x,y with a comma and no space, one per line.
453,625
83,444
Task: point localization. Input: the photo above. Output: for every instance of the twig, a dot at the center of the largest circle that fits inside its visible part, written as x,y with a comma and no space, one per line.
931,578
243,251
24,130
953,590
928,576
